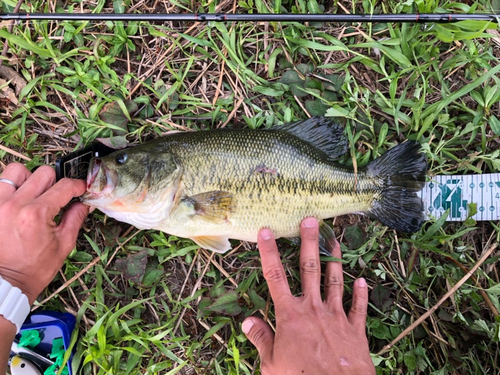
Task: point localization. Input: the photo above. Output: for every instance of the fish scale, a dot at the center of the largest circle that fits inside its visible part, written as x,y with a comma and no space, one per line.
219,184
303,182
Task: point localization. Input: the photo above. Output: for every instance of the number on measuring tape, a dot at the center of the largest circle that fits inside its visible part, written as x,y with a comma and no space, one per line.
456,193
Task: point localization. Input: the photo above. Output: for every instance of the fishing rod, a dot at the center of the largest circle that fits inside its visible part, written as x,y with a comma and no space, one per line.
253,17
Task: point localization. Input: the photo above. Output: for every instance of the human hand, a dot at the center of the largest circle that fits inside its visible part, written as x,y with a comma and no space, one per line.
312,336
33,246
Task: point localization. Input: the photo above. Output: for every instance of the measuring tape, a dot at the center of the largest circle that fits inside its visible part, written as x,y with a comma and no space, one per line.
457,192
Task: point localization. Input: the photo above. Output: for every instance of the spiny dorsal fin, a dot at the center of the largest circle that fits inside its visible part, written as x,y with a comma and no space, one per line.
320,132
215,243
213,206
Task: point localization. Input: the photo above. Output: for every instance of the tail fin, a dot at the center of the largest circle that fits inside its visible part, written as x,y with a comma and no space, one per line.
402,172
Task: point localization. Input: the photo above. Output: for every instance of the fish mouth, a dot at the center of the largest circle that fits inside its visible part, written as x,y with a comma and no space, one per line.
95,166
101,181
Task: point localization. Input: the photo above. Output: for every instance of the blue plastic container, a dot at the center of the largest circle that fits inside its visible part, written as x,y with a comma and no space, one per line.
51,325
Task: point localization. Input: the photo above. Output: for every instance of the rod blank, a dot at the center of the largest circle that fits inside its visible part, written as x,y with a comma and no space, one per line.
252,17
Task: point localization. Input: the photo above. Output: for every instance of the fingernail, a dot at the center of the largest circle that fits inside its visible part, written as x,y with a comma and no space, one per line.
247,326
266,234
362,283
91,209
310,222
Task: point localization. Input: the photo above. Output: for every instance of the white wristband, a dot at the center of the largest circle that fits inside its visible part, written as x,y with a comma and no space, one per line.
14,305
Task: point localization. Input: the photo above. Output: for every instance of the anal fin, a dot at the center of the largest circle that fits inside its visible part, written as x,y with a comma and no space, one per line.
218,244
326,239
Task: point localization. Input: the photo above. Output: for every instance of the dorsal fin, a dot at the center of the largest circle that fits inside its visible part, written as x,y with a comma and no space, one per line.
320,132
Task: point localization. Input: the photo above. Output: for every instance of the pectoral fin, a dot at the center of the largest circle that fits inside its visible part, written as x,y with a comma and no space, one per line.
214,243
213,206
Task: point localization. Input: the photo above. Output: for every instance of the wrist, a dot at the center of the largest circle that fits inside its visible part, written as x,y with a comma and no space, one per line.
14,304
15,281
7,335
7,329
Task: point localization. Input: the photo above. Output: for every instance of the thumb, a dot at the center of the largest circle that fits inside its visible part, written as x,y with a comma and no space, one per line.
71,223
261,335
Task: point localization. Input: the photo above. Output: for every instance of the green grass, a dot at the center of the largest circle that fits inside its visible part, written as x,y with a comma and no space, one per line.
385,83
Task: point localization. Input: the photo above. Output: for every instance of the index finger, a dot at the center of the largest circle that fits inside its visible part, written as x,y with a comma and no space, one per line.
61,194
310,267
271,265
334,281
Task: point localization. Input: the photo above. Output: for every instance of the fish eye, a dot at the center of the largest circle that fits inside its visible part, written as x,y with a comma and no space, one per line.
121,158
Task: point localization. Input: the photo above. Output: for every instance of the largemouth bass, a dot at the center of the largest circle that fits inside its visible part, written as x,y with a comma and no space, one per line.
214,185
